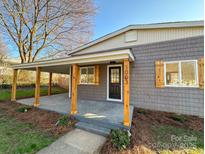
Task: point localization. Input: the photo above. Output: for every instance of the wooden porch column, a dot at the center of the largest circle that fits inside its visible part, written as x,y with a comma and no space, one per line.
126,92
13,91
37,88
74,89
49,83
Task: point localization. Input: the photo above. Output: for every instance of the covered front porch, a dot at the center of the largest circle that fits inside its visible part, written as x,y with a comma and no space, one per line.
109,113
102,110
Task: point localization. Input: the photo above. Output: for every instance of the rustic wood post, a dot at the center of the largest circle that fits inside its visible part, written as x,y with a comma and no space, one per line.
74,89
49,83
201,72
13,91
126,92
37,88
97,74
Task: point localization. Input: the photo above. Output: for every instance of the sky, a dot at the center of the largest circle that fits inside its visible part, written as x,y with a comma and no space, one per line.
115,14
112,15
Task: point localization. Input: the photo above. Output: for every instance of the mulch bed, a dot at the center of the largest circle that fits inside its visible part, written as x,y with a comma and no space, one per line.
41,119
142,136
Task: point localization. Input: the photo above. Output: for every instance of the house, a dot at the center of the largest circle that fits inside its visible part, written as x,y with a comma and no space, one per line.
153,66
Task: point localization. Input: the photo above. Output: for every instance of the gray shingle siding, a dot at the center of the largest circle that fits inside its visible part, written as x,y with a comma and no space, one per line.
95,92
143,91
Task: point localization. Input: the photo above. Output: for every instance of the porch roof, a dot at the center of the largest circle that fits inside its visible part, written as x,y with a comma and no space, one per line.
62,65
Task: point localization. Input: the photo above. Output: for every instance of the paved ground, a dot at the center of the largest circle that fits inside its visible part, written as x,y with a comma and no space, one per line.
99,110
76,142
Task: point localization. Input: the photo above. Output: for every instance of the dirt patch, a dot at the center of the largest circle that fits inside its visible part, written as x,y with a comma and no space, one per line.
41,119
142,138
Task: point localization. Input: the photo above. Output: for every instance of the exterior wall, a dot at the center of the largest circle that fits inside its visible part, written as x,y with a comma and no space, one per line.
145,36
95,92
143,91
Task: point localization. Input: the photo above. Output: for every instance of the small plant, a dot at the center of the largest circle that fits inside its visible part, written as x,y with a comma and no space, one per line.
63,121
120,138
142,111
23,109
179,118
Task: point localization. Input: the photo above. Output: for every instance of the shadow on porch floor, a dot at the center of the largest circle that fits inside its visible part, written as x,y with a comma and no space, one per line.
104,112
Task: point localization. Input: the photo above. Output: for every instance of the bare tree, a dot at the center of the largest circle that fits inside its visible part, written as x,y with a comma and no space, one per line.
3,51
42,26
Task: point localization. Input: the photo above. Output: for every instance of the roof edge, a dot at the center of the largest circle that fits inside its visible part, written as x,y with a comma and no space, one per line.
197,23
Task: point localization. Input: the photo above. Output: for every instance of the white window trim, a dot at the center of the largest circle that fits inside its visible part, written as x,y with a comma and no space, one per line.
179,65
69,94
111,99
87,68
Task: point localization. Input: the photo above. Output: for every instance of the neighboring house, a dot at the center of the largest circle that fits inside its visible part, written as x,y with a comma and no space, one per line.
153,66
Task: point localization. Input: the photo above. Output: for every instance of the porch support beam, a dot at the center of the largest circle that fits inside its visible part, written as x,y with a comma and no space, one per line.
37,88
49,83
74,89
126,92
13,91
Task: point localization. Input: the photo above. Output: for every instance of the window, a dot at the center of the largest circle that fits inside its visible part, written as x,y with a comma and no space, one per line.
181,73
87,75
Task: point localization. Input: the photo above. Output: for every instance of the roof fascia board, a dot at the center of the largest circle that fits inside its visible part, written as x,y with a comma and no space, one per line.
121,54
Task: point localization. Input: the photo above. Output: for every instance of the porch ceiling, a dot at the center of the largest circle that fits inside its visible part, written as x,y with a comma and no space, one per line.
62,65
61,69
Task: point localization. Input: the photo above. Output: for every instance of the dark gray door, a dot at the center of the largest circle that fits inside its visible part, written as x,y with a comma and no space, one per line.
115,82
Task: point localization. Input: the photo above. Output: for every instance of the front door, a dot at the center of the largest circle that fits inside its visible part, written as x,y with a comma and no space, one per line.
115,82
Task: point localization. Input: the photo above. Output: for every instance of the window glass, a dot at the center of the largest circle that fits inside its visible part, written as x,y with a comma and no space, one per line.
83,76
87,75
181,73
90,75
115,76
172,74
188,73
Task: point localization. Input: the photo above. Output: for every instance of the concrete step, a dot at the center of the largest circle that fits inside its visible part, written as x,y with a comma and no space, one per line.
93,128
101,123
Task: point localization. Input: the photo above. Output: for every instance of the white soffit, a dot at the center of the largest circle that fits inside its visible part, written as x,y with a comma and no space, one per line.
82,59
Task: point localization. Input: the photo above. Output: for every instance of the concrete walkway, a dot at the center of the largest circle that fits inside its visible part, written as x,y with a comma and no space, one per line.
76,142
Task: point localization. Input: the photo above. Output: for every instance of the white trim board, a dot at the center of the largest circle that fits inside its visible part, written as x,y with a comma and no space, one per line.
83,59
110,99
69,94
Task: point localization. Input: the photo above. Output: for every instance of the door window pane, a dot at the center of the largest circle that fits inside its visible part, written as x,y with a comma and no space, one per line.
172,74
188,73
115,76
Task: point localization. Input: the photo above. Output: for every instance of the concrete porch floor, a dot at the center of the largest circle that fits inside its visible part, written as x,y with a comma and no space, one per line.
106,111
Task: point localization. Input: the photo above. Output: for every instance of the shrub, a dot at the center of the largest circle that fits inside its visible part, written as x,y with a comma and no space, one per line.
141,111
179,118
63,121
23,109
120,139
5,86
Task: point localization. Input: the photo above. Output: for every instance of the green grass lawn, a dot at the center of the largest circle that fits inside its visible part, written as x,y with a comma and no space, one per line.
180,140
18,138
28,92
